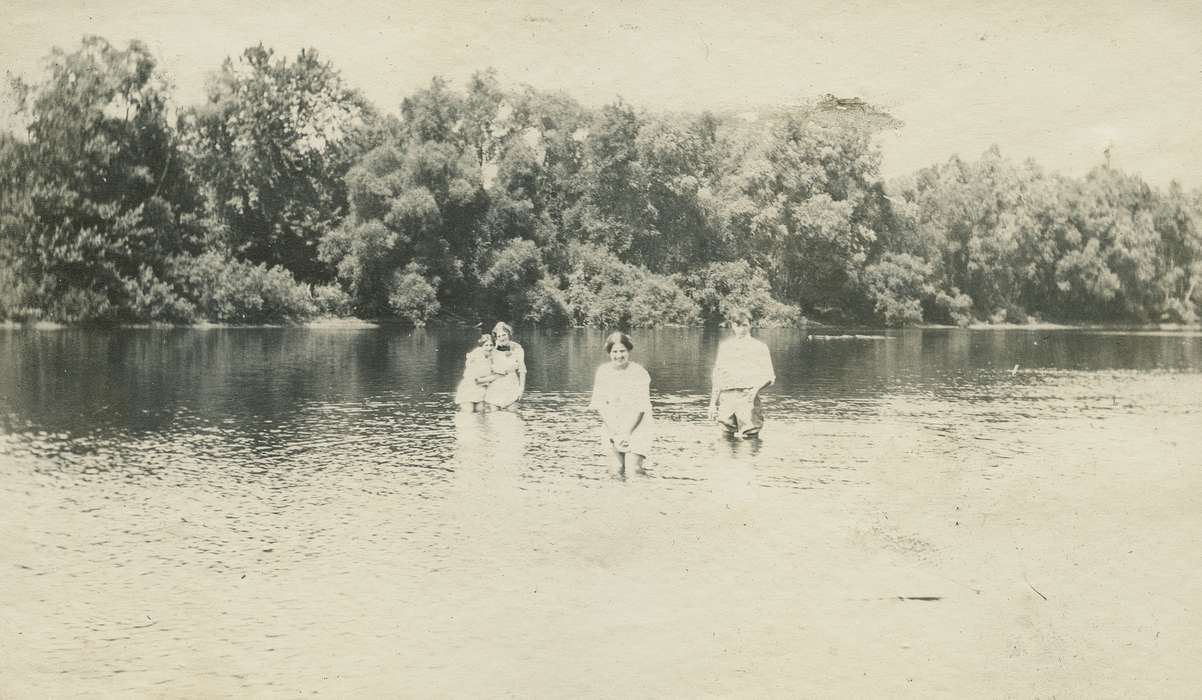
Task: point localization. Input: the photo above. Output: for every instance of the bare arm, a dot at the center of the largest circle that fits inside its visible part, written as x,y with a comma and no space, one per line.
756,391
521,370
625,428
766,359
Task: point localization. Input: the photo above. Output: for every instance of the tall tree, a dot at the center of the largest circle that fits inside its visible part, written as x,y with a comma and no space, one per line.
97,199
676,154
273,143
1178,221
416,206
613,210
802,206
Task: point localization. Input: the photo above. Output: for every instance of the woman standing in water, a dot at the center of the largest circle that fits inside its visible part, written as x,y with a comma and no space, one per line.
509,366
622,396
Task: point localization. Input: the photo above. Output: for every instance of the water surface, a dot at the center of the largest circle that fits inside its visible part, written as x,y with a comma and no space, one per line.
276,511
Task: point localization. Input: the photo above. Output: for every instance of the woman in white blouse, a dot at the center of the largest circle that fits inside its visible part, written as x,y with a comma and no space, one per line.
622,396
509,366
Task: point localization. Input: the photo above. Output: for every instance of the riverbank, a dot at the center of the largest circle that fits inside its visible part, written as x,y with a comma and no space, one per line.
353,322
1041,326
327,322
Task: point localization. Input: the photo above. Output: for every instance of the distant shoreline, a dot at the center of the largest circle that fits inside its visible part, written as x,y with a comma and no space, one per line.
359,323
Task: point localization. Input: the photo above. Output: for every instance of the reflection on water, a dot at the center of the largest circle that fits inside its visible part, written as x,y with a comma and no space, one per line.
186,512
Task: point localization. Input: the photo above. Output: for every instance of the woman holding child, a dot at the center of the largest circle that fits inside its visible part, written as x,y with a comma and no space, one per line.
494,374
509,366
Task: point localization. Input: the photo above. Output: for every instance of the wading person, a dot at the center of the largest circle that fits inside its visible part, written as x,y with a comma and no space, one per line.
477,375
742,370
622,397
509,366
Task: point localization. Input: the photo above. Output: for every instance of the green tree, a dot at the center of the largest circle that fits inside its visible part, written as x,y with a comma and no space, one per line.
518,285
421,202
1106,265
1021,243
677,155
605,292
413,296
721,288
898,285
803,205
433,114
983,213
613,210
538,170
96,198
273,142
1178,221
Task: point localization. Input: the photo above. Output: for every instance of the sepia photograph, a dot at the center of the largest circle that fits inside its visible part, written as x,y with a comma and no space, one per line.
650,349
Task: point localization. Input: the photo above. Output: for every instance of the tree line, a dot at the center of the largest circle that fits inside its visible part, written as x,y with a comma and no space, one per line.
285,195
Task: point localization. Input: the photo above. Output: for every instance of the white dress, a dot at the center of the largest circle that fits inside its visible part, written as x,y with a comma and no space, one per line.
507,388
477,364
620,394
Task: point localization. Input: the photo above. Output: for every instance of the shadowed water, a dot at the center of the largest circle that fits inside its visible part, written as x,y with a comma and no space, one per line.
274,511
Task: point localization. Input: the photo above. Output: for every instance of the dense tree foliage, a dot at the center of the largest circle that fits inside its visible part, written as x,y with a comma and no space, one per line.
95,198
1013,243
284,195
271,146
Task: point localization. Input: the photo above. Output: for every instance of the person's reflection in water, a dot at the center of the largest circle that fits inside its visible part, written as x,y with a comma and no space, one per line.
496,440
481,508
731,476
507,436
488,461
742,447
470,433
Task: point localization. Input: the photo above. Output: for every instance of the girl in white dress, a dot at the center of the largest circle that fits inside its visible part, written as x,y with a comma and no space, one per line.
477,376
622,396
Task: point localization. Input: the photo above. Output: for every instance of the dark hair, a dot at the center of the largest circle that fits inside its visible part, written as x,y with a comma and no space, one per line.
618,337
737,318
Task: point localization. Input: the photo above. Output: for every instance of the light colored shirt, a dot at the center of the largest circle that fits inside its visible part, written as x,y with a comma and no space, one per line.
743,363
513,359
620,395
477,365
507,387
621,392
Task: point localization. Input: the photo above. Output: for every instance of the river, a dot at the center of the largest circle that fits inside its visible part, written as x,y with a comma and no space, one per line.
270,512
